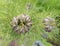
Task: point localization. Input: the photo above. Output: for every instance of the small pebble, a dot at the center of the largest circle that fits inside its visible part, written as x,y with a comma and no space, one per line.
38,43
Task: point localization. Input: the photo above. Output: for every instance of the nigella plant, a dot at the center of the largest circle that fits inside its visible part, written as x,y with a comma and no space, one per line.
49,24
21,23
55,39
28,6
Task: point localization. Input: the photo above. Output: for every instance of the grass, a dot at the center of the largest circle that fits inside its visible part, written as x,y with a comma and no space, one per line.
40,10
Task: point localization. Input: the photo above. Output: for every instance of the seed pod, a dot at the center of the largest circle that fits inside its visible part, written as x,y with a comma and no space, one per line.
49,24
21,23
28,6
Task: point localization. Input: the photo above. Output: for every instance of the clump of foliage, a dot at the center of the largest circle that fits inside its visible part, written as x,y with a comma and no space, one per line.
58,26
55,39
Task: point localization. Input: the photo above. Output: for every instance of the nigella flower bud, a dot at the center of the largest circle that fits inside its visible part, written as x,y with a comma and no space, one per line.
21,23
49,24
